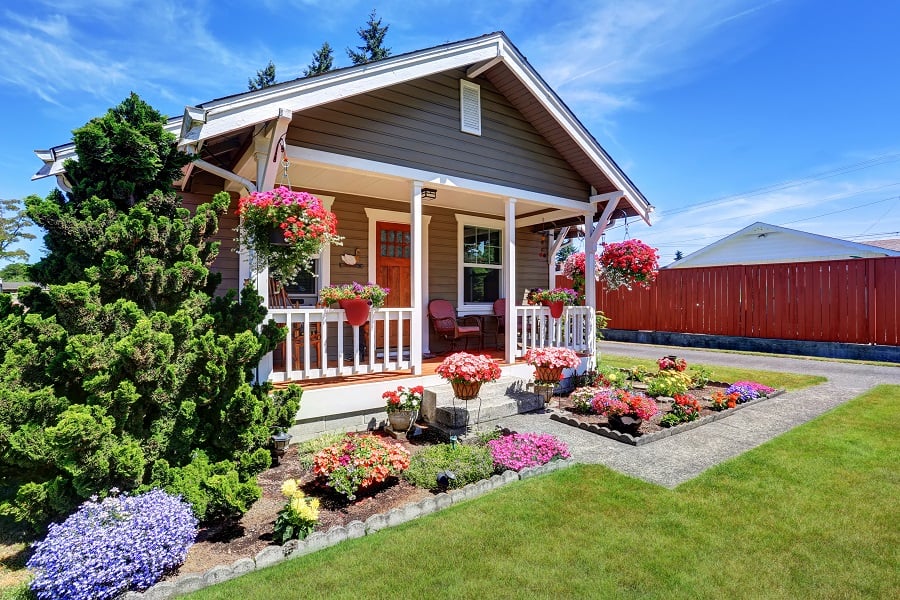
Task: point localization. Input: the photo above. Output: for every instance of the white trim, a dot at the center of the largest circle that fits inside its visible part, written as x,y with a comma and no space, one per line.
548,217
373,167
509,282
476,70
393,216
417,280
375,215
469,122
463,307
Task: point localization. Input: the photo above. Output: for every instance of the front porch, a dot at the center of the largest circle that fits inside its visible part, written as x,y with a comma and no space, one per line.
323,346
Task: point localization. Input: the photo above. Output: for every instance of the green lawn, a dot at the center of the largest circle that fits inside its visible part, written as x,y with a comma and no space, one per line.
775,379
812,513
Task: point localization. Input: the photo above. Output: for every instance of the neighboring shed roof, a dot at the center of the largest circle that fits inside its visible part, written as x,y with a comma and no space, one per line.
763,243
492,56
890,244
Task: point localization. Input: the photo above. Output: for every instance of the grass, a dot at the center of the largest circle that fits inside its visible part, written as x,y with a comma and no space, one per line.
811,513
775,379
855,361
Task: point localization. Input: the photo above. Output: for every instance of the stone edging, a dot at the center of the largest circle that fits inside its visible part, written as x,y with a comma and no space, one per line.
272,555
627,438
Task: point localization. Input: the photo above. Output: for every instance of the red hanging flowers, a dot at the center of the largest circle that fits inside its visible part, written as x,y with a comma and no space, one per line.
628,263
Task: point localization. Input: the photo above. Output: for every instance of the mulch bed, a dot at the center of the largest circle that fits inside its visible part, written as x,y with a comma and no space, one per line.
224,543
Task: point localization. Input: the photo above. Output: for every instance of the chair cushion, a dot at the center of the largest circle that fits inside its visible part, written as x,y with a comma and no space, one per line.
464,329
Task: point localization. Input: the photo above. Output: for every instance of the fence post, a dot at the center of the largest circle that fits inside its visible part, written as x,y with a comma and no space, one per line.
871,303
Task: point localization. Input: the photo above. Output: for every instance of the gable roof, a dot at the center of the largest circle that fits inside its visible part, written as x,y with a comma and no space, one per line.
492,56
763,243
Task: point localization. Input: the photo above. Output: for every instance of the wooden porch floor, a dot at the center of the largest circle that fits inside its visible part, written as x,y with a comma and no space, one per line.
429,367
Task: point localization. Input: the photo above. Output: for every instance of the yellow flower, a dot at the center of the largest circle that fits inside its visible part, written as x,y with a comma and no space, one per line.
289,487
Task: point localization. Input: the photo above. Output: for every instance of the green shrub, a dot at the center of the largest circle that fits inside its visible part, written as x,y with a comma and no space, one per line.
125,358
468,463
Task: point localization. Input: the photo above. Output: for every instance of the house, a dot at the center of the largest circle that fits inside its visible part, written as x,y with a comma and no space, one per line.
762,243
455,173
890,244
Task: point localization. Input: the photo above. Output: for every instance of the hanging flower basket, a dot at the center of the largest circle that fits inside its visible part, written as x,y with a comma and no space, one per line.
285,229
574,268
629,263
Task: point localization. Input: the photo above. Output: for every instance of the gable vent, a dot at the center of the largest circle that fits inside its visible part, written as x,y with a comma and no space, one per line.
470,107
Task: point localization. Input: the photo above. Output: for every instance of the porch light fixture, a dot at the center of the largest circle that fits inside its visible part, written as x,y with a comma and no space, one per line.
278,443
429,193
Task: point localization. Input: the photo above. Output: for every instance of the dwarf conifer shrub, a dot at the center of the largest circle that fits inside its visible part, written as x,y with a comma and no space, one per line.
126,366
468,463
107,548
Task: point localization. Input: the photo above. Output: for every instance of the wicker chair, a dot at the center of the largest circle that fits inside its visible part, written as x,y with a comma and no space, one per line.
447,325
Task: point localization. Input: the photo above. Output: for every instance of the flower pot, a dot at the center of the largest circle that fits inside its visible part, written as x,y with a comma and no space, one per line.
276,236
466,390
556,308
400,420
548,374
357,310
625,423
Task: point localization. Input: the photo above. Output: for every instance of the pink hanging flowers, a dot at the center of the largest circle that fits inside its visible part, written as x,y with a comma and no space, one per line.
628,263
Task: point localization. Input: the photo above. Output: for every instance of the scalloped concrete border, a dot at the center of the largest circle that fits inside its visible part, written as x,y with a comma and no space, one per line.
627,438
272,555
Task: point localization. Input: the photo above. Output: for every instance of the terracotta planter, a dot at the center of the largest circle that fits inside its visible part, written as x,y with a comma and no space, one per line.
625,423
556,308
357,310
466,390
400,420
548,374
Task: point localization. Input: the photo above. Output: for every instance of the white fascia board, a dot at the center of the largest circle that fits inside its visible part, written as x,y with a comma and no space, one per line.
248,109
342,161
576,131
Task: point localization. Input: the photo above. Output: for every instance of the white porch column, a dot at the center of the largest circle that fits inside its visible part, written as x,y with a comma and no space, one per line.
590,261
509,282
417,280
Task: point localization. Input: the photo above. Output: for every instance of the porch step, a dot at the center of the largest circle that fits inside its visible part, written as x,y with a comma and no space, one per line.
498,399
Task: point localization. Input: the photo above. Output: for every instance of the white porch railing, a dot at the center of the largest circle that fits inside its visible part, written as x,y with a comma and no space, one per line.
320,343
576,328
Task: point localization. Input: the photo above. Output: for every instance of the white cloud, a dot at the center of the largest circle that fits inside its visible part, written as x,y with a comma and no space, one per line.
617,50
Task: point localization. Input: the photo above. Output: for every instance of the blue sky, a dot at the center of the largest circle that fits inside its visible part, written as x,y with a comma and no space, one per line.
723,113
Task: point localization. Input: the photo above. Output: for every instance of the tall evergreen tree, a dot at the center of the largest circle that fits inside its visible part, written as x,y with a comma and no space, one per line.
322,62
679,255
264,78
372,36
126,371
14,223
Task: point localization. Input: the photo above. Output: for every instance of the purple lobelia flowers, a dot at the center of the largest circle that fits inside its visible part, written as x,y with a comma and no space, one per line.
107,548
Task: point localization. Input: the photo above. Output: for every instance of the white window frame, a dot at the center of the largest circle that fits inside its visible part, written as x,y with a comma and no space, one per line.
465,86
477,308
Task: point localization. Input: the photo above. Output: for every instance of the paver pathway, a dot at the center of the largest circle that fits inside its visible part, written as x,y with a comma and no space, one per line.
681,457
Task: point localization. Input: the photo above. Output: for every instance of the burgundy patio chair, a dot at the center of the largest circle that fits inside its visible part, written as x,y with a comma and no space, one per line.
500,317
447,325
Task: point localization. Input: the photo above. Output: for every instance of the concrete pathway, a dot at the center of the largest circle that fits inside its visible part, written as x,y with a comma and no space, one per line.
681,457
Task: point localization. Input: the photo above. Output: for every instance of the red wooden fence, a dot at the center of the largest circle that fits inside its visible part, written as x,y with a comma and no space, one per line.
855,301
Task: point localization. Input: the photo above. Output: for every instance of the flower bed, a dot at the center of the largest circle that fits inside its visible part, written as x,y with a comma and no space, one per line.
703,405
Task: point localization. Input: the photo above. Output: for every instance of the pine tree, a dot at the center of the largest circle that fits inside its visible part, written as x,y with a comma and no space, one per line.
679,255
373,37
264,78
126,371
322,62
14,223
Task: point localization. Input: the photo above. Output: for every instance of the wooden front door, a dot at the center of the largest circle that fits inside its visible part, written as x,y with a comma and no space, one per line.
392,270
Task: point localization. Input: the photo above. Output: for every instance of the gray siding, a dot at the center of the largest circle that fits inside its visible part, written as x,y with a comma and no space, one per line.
416,124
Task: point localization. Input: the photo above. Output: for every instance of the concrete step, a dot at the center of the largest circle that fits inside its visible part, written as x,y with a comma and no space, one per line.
498,399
